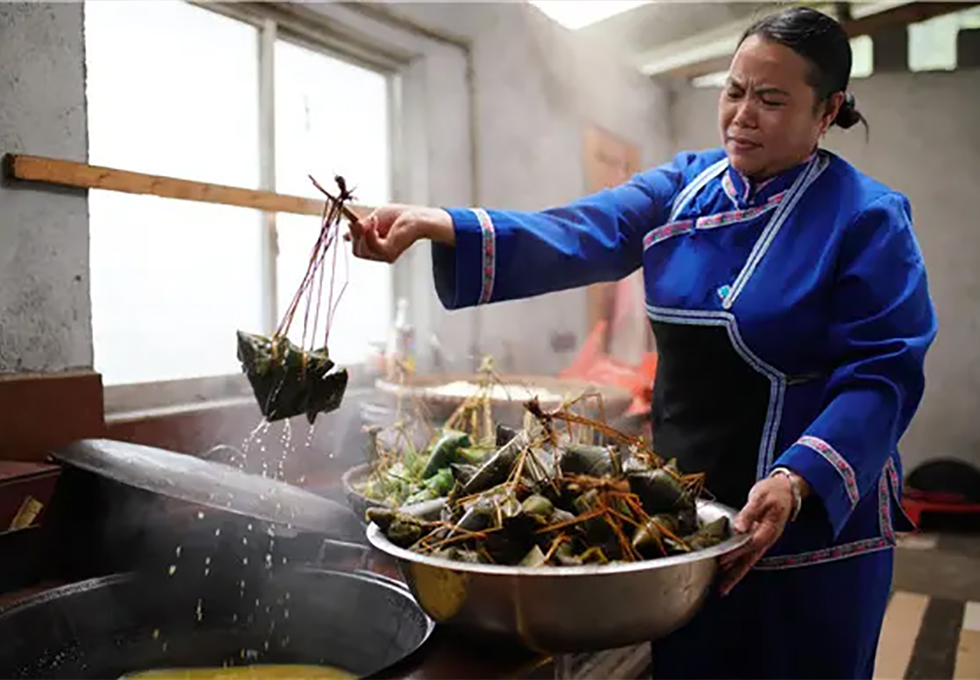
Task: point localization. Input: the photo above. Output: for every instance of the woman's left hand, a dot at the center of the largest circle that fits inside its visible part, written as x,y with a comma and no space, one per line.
764,515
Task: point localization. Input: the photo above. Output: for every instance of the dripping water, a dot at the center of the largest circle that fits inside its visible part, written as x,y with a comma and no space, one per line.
278,612
287,449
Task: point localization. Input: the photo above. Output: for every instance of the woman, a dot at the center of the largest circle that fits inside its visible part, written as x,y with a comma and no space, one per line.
789,301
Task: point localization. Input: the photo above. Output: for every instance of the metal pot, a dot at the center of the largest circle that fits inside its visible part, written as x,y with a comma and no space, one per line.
566,609
358,502
111,626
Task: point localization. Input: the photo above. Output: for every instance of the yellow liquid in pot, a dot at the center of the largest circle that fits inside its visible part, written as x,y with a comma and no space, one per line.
258,672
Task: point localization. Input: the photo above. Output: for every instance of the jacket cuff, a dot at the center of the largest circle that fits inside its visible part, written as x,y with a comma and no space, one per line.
464,273
829,475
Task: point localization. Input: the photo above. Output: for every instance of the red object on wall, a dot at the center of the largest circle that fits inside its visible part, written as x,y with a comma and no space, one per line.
594,365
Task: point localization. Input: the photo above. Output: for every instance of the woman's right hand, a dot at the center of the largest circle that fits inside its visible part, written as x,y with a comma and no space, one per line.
390,230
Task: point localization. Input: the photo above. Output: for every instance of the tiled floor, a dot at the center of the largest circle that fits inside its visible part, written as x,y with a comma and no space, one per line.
932,626
929,638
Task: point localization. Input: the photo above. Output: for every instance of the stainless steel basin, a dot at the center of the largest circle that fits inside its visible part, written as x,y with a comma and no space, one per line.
566,609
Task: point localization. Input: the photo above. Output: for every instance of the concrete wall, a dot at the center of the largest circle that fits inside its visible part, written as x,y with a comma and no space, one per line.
45,310
924,142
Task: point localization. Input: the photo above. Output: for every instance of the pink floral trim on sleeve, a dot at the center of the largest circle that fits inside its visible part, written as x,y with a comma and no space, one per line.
843,468
488,260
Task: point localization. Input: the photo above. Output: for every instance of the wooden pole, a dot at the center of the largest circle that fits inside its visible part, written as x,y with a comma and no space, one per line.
83,176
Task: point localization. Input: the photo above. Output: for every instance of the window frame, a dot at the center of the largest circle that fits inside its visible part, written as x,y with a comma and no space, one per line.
310,30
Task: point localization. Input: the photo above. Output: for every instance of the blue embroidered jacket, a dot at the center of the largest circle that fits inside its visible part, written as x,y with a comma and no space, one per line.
812,282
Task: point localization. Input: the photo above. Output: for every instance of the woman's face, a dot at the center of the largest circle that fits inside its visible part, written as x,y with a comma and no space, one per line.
768,113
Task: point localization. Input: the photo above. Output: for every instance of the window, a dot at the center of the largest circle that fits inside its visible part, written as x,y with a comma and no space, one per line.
862,57
173,280
932,43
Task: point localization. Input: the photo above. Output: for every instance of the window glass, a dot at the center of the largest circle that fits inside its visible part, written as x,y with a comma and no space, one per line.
862,56
932,44
172,90
171,283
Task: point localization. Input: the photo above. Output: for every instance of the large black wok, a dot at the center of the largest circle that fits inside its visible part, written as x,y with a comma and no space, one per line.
110,626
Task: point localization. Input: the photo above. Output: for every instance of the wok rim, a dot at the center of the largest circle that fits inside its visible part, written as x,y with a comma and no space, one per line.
377,539
49,595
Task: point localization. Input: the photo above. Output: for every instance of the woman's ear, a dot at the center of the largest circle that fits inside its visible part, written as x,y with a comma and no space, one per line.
831,109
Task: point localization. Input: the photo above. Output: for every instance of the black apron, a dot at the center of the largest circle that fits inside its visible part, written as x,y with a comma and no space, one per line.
709,408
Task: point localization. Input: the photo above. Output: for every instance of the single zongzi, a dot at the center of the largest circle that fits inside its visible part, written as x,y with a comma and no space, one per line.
288,381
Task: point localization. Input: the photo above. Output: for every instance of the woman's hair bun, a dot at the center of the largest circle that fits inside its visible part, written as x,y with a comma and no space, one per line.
848,115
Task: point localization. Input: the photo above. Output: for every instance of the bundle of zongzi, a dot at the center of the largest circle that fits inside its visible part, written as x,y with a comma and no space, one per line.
291,379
